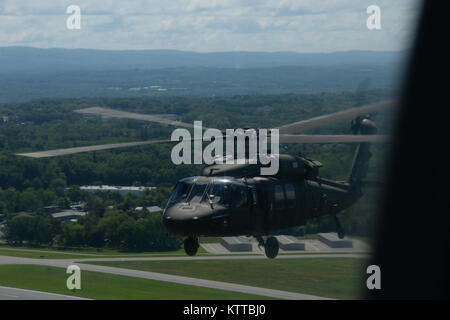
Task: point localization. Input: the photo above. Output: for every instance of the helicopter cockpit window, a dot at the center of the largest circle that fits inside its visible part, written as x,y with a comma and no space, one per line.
228,194
181,192
188,191
197,192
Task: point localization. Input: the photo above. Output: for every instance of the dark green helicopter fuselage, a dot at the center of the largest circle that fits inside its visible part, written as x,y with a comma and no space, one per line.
232,200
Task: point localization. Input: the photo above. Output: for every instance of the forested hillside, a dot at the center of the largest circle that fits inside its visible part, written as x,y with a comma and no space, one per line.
193,81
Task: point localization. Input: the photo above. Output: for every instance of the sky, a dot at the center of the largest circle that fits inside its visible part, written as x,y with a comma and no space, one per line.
210,25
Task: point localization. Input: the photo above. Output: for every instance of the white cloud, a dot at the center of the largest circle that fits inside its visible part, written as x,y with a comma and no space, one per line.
209,25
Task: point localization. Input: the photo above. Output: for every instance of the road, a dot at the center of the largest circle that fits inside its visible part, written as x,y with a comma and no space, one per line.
64,263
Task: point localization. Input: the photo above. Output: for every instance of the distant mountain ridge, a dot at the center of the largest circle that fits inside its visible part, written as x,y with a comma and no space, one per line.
30,60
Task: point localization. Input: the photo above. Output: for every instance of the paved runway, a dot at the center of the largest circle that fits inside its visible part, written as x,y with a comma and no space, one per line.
7,293
63,263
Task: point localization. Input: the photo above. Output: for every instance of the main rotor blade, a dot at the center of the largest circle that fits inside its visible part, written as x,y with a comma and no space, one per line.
304,138
111,113
283,138
333,117
63,152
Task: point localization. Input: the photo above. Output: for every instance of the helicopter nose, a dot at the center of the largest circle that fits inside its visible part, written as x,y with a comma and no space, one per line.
171,224
184,220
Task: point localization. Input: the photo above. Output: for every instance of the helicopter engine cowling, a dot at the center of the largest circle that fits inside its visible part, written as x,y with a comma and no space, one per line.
289,166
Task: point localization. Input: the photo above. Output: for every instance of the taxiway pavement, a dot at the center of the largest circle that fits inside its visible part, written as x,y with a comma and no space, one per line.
64,263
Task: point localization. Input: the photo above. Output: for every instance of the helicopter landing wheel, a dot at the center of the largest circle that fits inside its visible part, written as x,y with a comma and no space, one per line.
271,247
191,245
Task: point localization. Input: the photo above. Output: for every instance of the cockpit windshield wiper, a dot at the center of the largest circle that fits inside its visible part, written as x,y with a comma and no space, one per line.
189,194
197,191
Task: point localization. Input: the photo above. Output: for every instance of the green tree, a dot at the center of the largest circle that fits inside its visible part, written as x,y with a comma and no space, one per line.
72,234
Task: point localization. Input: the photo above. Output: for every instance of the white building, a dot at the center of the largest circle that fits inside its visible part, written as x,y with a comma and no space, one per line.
68,215
151,209
121,189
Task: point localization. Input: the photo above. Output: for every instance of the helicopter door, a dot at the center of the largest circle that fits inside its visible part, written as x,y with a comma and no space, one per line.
291,204
253,205
301,202
254,198
278,206
260,209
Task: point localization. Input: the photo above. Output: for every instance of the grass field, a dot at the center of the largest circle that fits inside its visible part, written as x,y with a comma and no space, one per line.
39,255
98,285
46,253
340,278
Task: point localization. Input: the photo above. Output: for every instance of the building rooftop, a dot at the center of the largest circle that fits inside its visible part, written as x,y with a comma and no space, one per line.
154,209
68,213
121,189
151,209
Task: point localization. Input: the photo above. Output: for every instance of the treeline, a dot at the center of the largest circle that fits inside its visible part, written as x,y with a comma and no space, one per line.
115,229
49,124
112,221
195,81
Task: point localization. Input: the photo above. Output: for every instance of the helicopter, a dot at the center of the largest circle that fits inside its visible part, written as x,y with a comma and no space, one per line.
235,199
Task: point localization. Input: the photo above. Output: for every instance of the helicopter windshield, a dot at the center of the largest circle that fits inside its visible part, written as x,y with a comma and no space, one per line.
188,190
181,191
197,192
228,193
225,192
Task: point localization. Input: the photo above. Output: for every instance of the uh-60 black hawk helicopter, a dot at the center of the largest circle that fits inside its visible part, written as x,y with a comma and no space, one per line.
235,199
